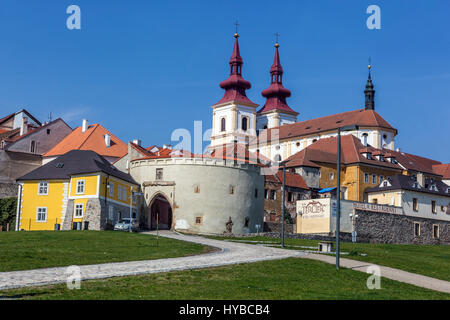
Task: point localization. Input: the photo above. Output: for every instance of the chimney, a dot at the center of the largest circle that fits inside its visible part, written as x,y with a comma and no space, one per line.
84,125
137,141
24,126
108,140
421,179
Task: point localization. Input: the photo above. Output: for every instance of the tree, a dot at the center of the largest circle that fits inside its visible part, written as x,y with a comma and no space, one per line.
8,212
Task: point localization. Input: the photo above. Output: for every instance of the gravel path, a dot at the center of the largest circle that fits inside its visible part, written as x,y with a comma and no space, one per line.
230,253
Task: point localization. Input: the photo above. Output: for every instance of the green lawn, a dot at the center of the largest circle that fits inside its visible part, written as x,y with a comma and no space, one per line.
291,278
429,260
40,249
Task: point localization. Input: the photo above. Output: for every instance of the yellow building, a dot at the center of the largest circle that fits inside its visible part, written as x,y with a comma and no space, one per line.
78,190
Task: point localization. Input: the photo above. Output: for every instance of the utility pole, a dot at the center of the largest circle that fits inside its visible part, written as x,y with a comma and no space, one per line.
338,189
338,195
282,204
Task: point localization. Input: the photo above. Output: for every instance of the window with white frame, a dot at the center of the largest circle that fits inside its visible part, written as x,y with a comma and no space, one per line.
374,178
78,211
43,188
80,186
381,178
41,214
111,189
331,175
366,177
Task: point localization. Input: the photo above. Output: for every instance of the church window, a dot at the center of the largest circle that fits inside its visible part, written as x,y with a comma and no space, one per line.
198,220
256,193
196,188
159,174
364,139
222,124
277,158
232,189
297,144
244,123
314,140
246,221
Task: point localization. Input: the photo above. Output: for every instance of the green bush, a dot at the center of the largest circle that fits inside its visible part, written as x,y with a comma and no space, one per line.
8,207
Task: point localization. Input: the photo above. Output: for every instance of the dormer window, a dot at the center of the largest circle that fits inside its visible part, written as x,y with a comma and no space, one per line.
385,184
433,188
448,190
381,157
369,156
416,185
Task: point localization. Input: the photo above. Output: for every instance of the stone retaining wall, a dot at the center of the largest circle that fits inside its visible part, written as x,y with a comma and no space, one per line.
380,227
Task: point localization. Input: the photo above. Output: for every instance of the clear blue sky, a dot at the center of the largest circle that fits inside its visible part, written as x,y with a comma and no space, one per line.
145,68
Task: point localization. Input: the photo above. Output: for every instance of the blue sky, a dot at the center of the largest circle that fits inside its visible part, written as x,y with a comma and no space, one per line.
145,68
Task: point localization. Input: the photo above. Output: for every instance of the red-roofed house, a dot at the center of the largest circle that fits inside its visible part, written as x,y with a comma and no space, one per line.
362,166
89,137
295,189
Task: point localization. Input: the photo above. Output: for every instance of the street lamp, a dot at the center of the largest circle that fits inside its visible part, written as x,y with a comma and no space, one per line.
283,163
133,194
338,191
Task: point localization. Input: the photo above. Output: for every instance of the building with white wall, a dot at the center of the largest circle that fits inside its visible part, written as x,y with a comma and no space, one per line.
200,194
418,196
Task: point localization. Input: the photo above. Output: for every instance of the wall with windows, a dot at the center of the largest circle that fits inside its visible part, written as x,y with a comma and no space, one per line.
51,202
201,188
423,207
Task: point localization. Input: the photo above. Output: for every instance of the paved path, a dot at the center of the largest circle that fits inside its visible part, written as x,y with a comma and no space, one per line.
230,253
386,272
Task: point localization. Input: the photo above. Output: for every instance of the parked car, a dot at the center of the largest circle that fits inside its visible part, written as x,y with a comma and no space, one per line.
124,225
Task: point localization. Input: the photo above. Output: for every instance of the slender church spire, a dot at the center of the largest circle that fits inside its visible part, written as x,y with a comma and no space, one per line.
369,92
276,94
235,85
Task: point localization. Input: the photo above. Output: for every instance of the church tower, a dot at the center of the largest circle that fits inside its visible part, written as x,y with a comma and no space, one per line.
234,116
276,112
369,92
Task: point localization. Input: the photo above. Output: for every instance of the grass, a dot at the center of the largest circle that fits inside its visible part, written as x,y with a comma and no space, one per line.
291,278
41,249
428,260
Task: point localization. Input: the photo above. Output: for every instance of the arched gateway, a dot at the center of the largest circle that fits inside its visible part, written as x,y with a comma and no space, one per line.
160,213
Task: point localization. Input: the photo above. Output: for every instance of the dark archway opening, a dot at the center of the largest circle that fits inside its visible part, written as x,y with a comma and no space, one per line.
160,214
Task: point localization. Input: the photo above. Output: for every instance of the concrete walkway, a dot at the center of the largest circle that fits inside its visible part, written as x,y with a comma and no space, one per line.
230,253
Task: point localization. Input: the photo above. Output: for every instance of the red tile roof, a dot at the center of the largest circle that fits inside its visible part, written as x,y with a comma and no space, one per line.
360,117
442,170
325,151
413,162
93,139
292,179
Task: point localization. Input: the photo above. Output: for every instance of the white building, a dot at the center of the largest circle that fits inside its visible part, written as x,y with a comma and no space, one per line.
419,197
